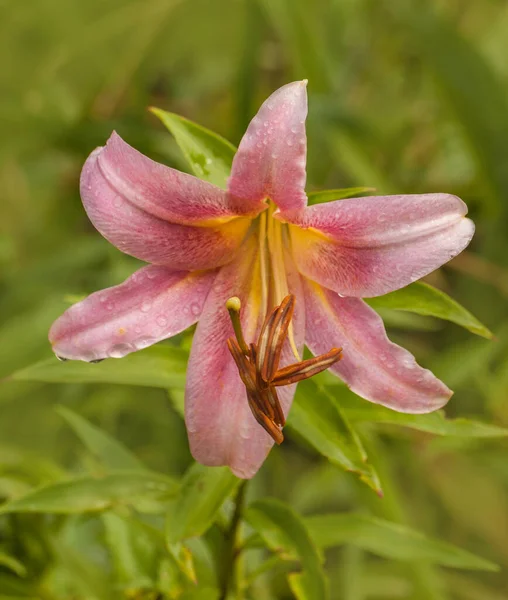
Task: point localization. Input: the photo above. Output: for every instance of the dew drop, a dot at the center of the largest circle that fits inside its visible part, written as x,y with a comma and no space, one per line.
146,305
161,321
195,310
144,343
119,350
117,202
110,306
151,274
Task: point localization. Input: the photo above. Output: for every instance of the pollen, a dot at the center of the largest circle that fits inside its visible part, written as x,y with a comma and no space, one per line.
122,331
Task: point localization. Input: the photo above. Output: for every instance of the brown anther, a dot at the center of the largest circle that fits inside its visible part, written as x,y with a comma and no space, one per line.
258,364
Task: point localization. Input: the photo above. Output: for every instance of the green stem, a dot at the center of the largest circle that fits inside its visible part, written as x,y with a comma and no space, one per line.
231,554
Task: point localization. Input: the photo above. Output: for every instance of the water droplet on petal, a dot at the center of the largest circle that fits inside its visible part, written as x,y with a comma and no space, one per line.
151,274
119,350
161,321
195,309
146,305
110,306
117,202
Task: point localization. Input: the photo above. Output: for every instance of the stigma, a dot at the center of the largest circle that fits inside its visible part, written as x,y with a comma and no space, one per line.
258,363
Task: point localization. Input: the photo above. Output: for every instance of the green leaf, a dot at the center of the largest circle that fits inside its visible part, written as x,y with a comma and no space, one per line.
209,155
359,410
135,550
90,494
390,540
13,564
318,419
204,490
158,366
423,299
285,532
339,194
112,453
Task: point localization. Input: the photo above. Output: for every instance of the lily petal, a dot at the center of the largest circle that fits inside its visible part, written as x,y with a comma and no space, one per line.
271,158
155,303
371,246
371,365
162,191
221,427
148,237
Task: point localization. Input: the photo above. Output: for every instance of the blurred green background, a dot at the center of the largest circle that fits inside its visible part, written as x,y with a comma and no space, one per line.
405,97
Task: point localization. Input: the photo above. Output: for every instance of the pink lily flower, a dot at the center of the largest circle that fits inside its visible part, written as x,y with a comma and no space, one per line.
257,240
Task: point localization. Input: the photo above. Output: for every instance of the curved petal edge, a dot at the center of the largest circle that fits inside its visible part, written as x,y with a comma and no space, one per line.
153,304
372,366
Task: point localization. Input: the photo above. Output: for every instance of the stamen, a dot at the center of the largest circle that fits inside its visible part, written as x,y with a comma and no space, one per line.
234,306
272,428
277,336
263,262
306,368
263,341
258,364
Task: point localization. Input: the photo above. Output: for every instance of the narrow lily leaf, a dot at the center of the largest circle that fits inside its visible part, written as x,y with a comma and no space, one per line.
423,299
134,550
436,422
285,532
340,194
390,540
13,564
89,494
158,366
475,95
112,454
204,490
209,155
318,419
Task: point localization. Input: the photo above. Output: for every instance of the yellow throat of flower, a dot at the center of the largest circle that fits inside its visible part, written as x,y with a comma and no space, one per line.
272,236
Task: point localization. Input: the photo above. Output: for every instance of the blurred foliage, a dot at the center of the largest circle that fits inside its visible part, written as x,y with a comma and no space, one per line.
102,498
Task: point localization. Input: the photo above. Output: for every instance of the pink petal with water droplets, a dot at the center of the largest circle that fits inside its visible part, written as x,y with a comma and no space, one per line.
271,158
371,246
148,237
164,192
153,304
221,427
372,366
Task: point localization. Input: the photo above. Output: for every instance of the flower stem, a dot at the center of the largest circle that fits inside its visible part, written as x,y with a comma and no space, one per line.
230,553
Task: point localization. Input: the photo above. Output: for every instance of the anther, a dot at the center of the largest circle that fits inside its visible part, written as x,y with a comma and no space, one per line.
258,364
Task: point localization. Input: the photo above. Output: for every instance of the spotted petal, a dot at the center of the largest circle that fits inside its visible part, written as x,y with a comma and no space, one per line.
221,427
153,304
135,218
371,365
371,246
271,158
